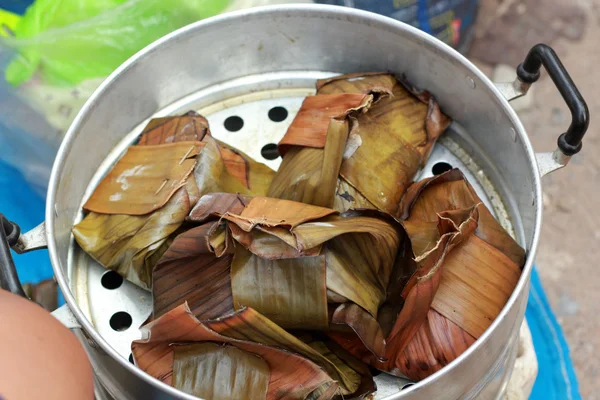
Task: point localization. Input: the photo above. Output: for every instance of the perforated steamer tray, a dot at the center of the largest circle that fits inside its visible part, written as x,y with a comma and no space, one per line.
259,103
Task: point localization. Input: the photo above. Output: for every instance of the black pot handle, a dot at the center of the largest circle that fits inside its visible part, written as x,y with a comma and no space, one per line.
9,236
528,72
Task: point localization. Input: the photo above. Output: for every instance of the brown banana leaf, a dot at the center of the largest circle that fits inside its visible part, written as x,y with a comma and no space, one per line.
365,326
348,198
291,375
477,282
452,296
133,244
144,179
400,115
190,272
255,176
220,169
380,83
453,227
214,372
309,128
127,243
249,325
437,342
250,212
451,191
278,272
267,284
193,127
344,361
185,128
310,175
360,249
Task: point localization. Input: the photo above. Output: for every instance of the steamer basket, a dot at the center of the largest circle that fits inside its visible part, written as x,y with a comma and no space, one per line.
244,65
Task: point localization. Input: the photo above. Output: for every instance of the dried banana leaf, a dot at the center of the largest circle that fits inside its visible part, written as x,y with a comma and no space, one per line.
133,244
292,292
291,374
451,191
193,127
360,255
190,272
276,271
219,169
344,361
477,282
309,128
423,284
310,175
380,83
464,272
127,243
144,179
249,325
255,176
214,372
185,128
365,326
348,198
400,115
438,342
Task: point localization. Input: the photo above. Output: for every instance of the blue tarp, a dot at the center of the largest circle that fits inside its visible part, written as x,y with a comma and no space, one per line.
20,204
556,378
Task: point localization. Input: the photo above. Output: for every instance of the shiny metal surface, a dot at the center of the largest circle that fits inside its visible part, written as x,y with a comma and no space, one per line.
34,239
513,90
66,317
244,47
550,162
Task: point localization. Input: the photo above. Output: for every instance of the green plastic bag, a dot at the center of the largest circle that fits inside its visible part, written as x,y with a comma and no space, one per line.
69,41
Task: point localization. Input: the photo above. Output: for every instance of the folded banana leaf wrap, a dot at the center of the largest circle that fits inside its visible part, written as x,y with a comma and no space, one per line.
460,269
145,198
244,355
293,262
392,130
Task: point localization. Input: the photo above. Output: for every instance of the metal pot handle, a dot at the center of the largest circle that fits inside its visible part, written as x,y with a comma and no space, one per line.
528,72
11,237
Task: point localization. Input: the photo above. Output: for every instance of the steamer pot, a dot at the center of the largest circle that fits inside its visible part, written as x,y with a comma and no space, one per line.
245,64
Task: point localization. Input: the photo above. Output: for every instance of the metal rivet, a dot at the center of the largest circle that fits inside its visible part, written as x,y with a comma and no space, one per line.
513,134
470,82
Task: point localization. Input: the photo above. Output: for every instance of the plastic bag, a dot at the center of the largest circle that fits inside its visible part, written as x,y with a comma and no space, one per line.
62,50
69,41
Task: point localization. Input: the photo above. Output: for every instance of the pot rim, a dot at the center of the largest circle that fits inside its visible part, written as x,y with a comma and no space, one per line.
324,11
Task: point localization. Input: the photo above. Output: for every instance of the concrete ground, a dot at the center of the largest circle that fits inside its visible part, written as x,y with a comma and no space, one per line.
570,242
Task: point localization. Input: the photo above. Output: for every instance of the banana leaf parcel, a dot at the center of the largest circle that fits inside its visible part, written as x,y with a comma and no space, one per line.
463,268
294,263
244,355
392,130
148,194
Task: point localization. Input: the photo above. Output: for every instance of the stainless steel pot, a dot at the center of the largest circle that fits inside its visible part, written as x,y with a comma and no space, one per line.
244,64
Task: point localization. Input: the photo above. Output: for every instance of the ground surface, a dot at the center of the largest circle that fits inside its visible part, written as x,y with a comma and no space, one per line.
570,243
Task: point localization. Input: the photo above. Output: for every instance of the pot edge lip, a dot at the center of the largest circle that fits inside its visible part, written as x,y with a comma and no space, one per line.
324,11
